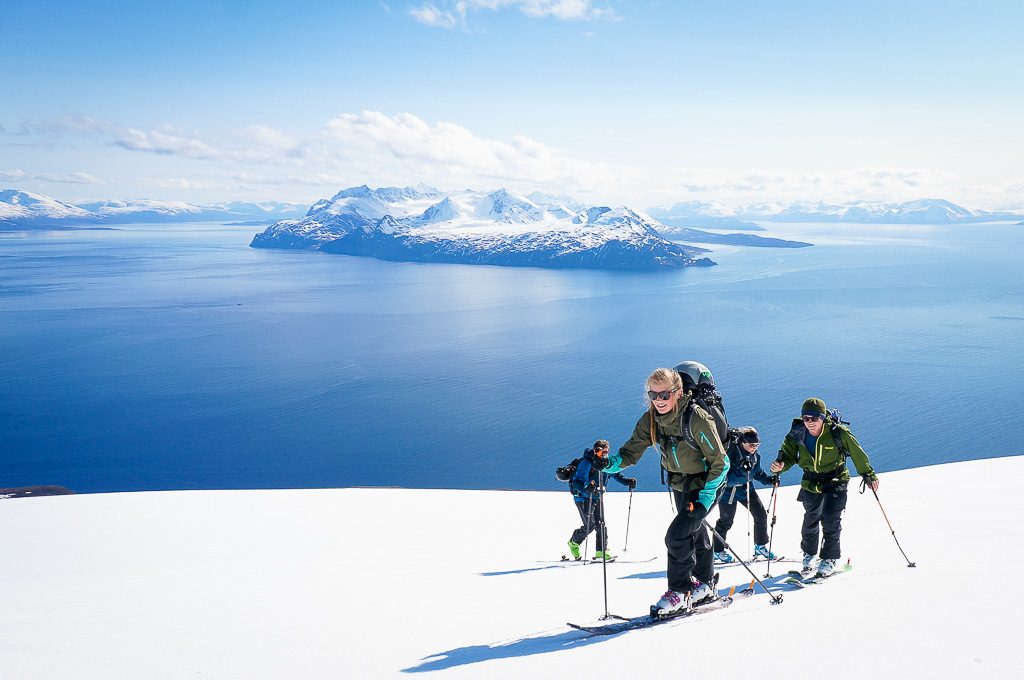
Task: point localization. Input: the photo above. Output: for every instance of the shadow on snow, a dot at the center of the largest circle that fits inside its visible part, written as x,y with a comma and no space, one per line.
545,644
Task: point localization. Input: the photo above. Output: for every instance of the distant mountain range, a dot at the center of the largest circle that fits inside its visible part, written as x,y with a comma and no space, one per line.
924,211
23,209
422,224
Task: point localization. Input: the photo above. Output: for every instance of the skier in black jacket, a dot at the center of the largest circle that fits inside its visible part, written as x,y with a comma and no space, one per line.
586,482
744,466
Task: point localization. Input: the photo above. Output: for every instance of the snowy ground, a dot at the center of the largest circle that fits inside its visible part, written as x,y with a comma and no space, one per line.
359,583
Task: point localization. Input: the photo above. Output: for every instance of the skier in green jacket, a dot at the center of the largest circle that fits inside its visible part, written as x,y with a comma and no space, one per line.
695,474
814,447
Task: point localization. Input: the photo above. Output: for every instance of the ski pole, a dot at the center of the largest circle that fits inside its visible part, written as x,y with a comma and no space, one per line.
864,483
629,513
773,501
776,599
750,545
602,542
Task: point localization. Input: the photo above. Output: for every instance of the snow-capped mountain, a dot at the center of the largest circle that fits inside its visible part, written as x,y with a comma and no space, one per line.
501,227
179,211
23,209
924,211
697,214
25,206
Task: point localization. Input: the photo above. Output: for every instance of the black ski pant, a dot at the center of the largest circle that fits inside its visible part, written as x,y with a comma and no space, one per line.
592,513
689,548
727,514
824,510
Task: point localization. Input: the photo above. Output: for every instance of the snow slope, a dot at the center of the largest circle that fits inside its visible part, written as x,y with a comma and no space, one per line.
371,583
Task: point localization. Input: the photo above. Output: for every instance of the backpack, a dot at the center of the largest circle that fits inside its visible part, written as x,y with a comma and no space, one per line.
565,473
835,422
700,384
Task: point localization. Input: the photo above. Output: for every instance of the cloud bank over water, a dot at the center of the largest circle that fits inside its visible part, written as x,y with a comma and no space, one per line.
377,148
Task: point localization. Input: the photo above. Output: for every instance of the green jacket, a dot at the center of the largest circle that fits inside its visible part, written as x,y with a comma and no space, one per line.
826,465
701,470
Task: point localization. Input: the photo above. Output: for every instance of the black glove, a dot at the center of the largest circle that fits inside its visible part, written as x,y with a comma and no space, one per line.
600,462
629,482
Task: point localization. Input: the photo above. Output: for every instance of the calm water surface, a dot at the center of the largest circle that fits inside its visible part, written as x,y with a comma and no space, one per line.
175,356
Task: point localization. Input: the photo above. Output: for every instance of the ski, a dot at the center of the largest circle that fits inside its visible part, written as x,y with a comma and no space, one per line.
802,579
647,620
569,560
756,560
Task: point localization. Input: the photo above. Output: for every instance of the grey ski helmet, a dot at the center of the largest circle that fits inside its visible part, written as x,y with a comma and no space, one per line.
694,374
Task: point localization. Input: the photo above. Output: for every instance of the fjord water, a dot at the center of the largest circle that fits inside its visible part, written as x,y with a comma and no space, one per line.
175,356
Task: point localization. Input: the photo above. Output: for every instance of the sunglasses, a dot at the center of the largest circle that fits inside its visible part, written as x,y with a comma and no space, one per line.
810,419
660,396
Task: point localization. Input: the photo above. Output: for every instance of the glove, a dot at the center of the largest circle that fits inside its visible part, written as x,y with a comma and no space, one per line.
629,482
600,463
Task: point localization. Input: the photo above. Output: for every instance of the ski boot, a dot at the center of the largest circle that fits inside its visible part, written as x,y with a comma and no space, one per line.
701,592
671,603
808,563
603,556
763,551
826,568
723,557
574,548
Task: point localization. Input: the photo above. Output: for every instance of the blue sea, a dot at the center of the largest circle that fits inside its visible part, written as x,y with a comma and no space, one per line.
176,357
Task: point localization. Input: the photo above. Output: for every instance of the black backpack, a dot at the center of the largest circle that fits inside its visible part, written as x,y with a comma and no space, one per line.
700,385
565,473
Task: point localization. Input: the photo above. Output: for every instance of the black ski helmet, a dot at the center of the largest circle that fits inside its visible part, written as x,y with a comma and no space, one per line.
694,374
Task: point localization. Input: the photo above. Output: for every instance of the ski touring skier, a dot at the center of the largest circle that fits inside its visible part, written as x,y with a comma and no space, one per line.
819,444
587,483
695,472
744,469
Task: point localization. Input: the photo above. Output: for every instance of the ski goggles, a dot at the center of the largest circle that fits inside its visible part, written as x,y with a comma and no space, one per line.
811,417
660,396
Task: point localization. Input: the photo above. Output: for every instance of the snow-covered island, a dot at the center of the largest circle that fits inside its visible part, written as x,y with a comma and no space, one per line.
423,224
337,583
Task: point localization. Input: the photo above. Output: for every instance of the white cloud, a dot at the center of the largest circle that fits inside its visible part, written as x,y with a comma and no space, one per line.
453,14
432,16
70,178
408,147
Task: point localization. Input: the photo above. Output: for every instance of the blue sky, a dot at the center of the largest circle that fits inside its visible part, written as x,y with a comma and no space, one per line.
641,103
